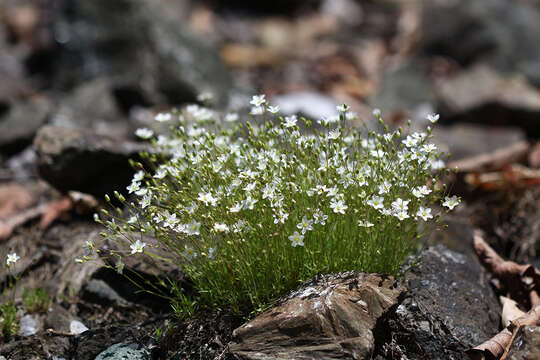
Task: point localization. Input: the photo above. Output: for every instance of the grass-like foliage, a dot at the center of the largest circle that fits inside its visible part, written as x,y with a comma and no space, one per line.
36,300
249,211
9,324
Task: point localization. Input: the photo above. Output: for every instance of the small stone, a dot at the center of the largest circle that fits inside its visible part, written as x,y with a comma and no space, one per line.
28,325
526,344
76,327
128,350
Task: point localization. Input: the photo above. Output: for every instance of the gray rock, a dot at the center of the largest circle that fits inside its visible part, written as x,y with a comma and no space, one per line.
92,106
149,61
89,345
448,308
526,345
28,325
60,319
127,350
99,290
76,159
331,317
474,33
310,104
482,95
407,90
467,140
19,123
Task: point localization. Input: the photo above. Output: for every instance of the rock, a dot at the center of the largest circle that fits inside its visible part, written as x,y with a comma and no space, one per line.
331,317
406,90
99,291
157,64
474,33
449,307
482,95
19,123
466,140
92,106
76,159
28,325
124,351
313,106
526,345
91,343
76,327
346,11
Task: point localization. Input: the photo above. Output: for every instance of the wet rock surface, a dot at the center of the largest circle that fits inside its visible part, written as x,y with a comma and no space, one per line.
332,317
74,159
526,344
123,351
449,307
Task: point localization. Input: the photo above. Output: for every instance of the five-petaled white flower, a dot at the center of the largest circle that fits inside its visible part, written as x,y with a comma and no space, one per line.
376,112
451,202
137,247
144,133
305,225
12,259
231,117
207,198
338,206
424,213
376,202
290,121
401,215
400,204
296,239
421,191
258,100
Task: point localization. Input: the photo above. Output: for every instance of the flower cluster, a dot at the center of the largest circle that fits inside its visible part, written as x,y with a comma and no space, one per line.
248,211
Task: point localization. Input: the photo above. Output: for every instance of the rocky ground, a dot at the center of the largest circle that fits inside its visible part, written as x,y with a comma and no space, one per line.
78,77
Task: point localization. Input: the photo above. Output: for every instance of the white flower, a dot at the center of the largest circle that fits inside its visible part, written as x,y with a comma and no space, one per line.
384,187
421,191
138,176
144,133
451,202
401,215
88,248
162,117
221,227
305,225
145,201
207,199
319,217
433,117
231,117
258,100
410,141
296,239
429,148
376,202
211,253
334,134
236,208
249,203
132,219
160,174
133,187
280,217
189,253
250,187
343,108
366,224
424,213
273,109
338,206
12,259
400,205
376,112
290,121
193,228
137,247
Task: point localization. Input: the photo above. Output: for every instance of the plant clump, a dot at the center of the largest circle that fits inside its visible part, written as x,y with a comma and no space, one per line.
251,210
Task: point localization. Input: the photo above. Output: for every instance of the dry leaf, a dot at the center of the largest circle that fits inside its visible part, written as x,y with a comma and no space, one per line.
14,198
59,209
510,311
